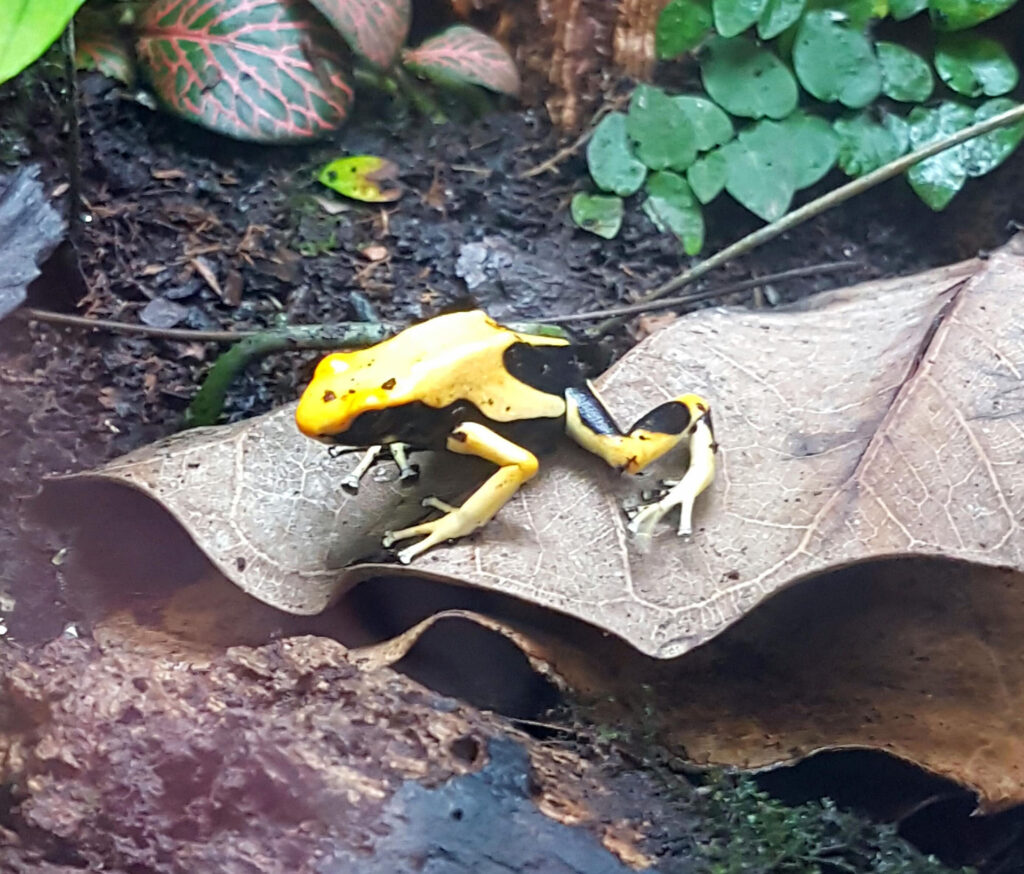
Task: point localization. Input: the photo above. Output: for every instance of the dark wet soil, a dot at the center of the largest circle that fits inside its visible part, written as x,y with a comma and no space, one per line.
186,229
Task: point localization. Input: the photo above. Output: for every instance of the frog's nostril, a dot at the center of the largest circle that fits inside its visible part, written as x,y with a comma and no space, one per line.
329,396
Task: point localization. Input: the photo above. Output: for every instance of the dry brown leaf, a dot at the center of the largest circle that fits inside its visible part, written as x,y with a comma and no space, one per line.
876,422
879,421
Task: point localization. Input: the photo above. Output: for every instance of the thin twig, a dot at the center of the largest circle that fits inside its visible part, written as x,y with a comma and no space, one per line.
708,293
32,314
820,205
577,144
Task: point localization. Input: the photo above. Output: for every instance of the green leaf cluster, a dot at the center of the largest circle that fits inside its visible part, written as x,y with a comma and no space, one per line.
791,90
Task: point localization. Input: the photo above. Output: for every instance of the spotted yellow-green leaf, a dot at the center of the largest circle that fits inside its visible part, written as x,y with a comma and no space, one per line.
904,9
260,70
463,55
599,214
375,29
363,177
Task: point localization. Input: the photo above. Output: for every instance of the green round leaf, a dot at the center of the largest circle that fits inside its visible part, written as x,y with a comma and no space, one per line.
961,14
985,153
904,9
660,130
600,214
864,145
835,63
778,15
682,26
610,157
732,17
707,176
671,206
974,65
746,80
759,170
258,70
906,76
711,126
813,146
937,179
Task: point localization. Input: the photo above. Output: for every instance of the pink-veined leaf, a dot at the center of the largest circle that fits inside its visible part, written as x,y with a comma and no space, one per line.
464,55
102,46
259,70
375,29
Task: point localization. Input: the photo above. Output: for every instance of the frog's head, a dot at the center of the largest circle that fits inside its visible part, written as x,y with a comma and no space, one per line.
345,386
665,427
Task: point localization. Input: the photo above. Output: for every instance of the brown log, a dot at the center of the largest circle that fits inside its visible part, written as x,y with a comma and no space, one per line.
140,753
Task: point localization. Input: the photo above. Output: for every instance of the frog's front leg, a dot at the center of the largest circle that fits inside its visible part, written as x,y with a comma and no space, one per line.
515,466
697,478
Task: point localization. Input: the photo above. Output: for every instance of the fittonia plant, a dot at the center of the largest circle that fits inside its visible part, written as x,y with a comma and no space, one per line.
281,70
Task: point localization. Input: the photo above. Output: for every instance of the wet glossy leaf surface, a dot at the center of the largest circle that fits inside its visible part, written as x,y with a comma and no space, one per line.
732,17
975,65
672,207
906,76
660,128
761,169
961,14
610,158
778,15
938,179
707,175
711,126
864,145
834,62
748,81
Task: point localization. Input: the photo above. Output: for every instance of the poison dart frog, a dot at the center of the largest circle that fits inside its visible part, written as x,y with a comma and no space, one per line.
463,382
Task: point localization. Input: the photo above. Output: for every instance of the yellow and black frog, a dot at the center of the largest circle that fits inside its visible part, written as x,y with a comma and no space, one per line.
463,382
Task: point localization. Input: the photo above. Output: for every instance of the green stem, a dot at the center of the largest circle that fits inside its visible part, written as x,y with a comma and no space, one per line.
208,403
818,206
418,96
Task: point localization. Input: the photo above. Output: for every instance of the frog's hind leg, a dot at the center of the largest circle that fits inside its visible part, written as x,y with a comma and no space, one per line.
516,465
